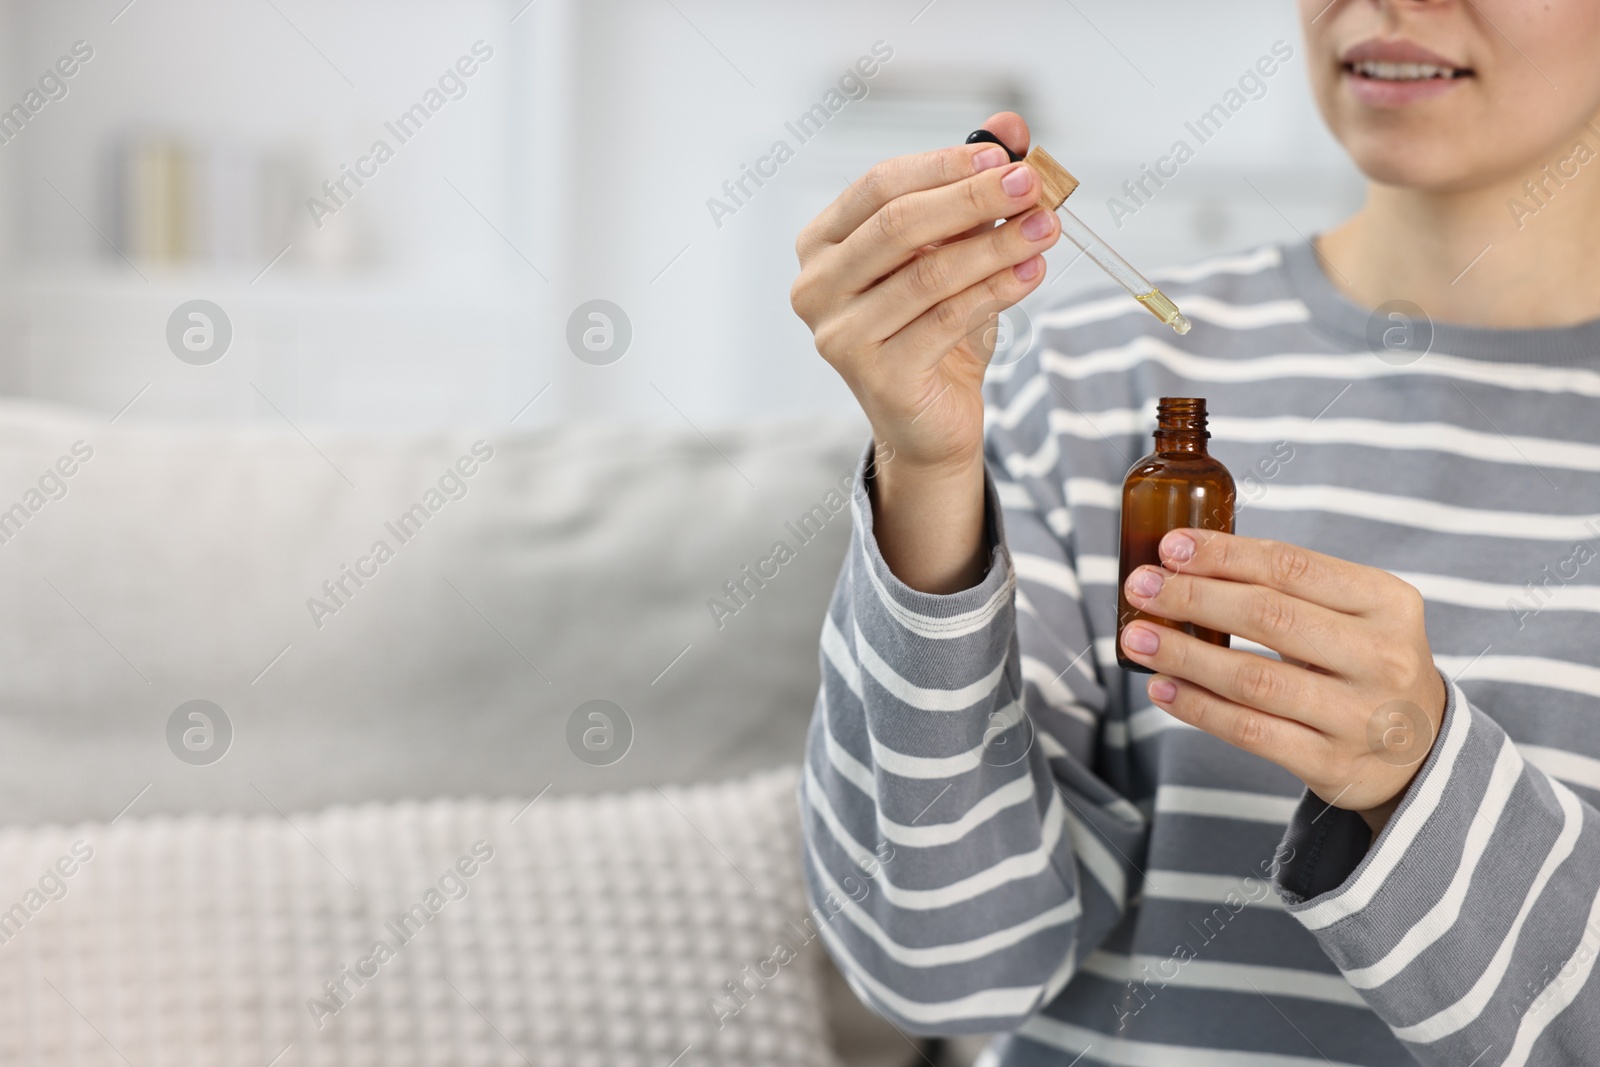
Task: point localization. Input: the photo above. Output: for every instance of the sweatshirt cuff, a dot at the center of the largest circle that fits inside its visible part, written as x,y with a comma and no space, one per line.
1453,924
1330,864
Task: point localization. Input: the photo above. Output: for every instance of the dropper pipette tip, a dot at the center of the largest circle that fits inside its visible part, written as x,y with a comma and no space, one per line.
1161,306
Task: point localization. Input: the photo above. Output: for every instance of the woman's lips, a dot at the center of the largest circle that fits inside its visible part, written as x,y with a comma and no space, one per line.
1385,93
1396,73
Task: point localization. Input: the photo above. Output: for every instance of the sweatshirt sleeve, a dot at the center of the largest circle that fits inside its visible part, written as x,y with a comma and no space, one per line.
1472,923
960,856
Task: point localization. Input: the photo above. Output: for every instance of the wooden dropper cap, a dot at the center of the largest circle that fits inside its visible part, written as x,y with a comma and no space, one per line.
1057,181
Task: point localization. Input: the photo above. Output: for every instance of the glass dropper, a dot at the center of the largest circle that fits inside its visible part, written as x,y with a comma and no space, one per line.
1138,286
1058,183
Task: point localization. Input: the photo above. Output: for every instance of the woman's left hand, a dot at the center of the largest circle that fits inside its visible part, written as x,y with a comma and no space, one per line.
1356,704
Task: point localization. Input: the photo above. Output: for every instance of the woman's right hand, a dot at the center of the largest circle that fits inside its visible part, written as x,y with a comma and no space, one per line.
900,279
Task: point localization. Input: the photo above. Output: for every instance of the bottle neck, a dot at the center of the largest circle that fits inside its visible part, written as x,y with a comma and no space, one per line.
1181,426
1181,442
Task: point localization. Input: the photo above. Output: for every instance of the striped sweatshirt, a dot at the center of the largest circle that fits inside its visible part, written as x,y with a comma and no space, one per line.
1010,838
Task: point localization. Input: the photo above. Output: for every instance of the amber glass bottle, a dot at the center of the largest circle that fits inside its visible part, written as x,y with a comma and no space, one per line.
1177,485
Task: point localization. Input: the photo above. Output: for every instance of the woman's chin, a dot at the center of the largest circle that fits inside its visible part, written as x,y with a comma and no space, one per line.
1426,160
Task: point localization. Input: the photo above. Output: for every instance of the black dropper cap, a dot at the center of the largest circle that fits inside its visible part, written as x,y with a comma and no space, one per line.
985,137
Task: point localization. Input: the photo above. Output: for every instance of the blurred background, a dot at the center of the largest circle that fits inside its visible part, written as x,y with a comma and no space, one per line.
577,165
386,241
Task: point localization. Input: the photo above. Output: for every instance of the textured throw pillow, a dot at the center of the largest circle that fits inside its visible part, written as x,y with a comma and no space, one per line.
632,930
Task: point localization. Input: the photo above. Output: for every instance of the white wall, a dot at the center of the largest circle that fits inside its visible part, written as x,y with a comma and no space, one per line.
591,143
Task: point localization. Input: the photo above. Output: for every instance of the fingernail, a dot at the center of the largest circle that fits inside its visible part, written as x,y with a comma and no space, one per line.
992,156
1018,181
1145,582
1162,691
1140,639
1178,546
1029,269
1038,225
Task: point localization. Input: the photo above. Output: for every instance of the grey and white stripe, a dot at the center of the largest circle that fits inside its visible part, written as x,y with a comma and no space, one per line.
1076,869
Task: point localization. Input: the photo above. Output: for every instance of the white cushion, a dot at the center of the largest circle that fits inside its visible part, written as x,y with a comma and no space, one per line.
599,933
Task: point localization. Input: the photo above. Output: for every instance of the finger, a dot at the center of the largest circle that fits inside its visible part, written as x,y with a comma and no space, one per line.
1326,580
1288,625
1013,133
967,234
890,179
1291,745
927,338
944,272
1011,128
907,224
1242,677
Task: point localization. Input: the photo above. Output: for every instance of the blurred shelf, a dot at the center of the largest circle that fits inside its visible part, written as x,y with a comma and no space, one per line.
120,281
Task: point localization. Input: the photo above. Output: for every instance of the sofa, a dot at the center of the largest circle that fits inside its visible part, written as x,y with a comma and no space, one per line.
465,747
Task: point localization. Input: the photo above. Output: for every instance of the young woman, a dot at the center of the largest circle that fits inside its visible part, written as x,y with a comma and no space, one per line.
1369,832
